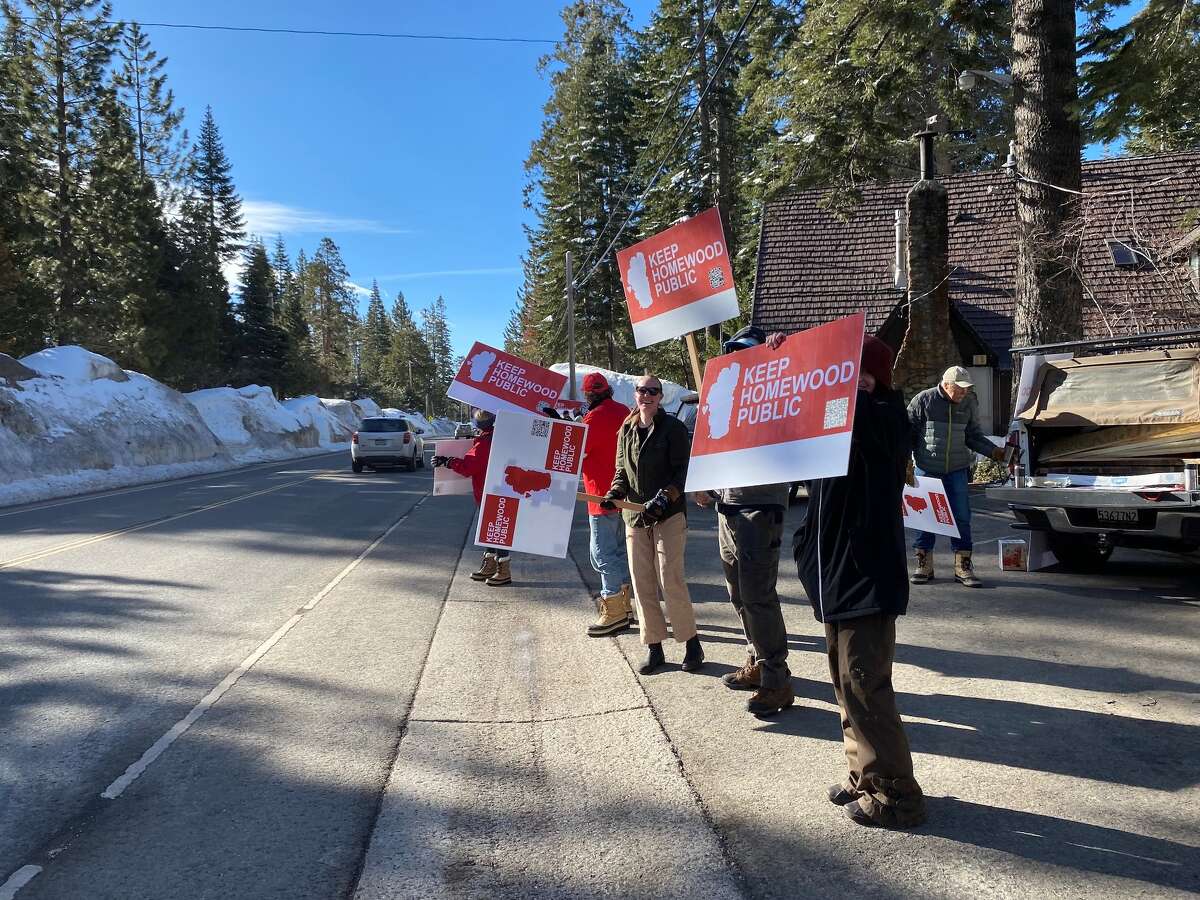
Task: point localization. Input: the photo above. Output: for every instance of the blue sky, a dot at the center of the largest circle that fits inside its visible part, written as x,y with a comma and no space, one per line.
408,153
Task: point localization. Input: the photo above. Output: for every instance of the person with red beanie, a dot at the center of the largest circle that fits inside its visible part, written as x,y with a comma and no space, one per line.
850,557
605,526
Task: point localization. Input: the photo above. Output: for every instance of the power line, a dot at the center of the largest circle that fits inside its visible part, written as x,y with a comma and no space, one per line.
675,143
680,80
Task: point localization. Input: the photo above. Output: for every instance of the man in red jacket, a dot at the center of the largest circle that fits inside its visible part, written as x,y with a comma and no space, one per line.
607,528
495,569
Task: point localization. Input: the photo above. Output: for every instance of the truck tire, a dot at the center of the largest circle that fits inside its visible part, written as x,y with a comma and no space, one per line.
356,465
1079,552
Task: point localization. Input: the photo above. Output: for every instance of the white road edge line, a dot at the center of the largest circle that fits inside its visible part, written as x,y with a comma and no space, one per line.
18,880
114,790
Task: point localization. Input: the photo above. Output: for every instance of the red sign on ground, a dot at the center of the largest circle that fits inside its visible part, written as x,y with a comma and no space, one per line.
679,280
769,416
494,380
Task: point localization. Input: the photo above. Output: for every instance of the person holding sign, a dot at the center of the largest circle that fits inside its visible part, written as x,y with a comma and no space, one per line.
750,531
495,570
652,460
850,556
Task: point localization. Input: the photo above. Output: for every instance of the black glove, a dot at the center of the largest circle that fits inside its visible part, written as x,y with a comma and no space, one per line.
657,507
440,461
607,502
549,411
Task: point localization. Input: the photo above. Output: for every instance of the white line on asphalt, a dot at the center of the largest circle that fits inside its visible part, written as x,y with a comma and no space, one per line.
151,485
109,535
18,880
114,790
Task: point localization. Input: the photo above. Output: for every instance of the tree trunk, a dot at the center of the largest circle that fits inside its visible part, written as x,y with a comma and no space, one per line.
67,289
1049,292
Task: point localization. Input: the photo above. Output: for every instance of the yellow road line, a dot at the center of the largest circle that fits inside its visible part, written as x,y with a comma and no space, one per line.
109,535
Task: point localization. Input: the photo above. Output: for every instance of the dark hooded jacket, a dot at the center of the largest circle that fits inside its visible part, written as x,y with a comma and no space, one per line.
850,551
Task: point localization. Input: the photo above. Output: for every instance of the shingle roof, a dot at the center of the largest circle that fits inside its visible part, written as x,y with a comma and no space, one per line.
814,266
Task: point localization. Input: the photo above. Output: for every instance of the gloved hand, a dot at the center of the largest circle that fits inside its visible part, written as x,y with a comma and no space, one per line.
440,461
657,507
607,502
549,411
999,454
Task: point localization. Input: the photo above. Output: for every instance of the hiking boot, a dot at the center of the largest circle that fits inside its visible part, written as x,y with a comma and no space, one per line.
614,616
768,701
502,575
924,572
654,659
747,678
487,568
840,795
627,591
693,658
964,572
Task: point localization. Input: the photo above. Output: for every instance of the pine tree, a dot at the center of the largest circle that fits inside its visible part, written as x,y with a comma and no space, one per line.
376,340
407,368
435,330
1139,80
69,44
150,107
263,344
281,269
299,371
330,310
213,190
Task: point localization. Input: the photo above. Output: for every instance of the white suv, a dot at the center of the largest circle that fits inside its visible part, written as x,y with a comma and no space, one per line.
381,442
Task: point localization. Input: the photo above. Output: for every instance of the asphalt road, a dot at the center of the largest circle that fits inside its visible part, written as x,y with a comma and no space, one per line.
280,682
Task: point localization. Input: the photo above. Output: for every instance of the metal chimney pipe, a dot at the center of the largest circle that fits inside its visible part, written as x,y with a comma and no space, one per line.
900,263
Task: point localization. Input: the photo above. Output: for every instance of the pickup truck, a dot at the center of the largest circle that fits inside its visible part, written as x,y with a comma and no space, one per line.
1105,446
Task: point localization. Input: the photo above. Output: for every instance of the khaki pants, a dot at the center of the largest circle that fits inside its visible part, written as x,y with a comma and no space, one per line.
656,565
749,541
860,664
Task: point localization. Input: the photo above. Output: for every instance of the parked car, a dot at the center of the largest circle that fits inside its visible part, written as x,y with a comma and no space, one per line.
1106,446
464,430
386,442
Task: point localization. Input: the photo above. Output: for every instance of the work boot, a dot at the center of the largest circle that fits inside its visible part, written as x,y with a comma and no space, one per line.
840,795
693,658
924,573
768,701
654,659
964,572
747,678
487,568
502,575
614,616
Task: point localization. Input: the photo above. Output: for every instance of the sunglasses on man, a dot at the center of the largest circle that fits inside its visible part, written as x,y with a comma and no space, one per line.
649,391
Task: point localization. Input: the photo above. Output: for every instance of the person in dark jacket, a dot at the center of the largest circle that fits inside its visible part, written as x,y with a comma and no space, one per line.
850,556
652,461
496,568
945,430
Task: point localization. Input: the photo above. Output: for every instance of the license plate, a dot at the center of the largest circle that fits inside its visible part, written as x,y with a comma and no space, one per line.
379,443
1116,515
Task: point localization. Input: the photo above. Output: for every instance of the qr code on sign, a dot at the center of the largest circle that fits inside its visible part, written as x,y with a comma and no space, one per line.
835,413
540,428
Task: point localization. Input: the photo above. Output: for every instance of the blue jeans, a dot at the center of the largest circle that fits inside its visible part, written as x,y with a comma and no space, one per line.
960,505
607,550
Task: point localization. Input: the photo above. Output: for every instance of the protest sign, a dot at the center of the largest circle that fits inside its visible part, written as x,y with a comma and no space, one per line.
446,482
927,508
529,490
494,380
679,280
769,416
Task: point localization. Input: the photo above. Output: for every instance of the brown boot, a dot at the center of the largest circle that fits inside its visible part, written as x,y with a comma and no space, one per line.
964,572
614,616
487,568
769,701
503,574
924,572
747,678
627,593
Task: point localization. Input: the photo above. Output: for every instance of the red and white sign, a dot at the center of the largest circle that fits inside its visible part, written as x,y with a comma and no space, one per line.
532,477
769,416
679,280
927,508
447,482
494,380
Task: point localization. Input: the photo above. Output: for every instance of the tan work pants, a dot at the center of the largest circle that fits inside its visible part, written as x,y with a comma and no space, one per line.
656,565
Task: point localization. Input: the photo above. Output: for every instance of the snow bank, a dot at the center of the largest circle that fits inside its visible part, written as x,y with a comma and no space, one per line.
366,408
440,427
72,421
623,385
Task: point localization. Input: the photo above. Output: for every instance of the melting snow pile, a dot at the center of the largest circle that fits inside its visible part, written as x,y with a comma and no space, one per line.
72,421
623,385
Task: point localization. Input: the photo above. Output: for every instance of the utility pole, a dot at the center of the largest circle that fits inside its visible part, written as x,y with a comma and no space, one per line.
571,324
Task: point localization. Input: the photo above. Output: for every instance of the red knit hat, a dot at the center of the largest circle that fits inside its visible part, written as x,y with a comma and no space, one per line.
878,359
594,383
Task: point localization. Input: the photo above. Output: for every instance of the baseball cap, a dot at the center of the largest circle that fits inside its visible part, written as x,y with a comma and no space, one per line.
957,375
594,383
750,336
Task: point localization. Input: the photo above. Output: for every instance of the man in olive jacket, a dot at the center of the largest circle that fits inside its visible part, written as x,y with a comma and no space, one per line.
945,429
